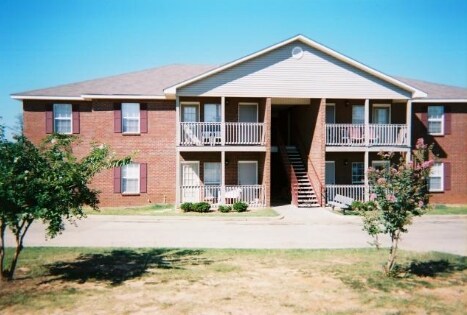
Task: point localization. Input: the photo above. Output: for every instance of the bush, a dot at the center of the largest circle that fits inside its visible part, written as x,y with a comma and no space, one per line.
225,209
240,206
201,207
187,207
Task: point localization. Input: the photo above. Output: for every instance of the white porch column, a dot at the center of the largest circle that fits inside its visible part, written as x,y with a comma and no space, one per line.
222,199
177,122
365,180
409,130
367,122
223,135
177,179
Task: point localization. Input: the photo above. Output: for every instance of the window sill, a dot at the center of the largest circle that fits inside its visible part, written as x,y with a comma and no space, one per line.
436,190
131,134
131,194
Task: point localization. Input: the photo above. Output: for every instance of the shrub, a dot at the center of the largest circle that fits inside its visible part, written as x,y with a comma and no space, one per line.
225,209
240,206
187,207
201,207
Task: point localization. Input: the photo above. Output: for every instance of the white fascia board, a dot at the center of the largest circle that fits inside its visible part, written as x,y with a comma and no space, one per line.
440,100
51,98
122,97
172,90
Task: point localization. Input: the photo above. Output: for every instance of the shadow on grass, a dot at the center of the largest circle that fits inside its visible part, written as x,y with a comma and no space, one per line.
120,265
433,268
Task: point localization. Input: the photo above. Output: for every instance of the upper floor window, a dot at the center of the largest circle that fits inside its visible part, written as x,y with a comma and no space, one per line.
436,120
436,179
131,118
63,118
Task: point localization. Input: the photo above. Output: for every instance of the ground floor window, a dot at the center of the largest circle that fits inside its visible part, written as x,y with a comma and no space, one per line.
358,172
435,181
130,179
380,165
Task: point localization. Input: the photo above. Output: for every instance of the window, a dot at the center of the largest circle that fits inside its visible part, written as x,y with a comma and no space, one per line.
130,118
63,118
130,179
435,182
380,165
212,173
358,172
436,120
358,114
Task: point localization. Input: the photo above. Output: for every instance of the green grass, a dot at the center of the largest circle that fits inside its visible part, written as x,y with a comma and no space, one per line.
449,209
169,210
97,280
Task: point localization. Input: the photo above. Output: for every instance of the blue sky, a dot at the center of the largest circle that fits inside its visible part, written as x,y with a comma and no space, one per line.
51,42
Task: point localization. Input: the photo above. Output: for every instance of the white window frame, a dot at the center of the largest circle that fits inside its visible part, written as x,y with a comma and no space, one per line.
63,118
248,104
183,104
381,106
138,166
247,162
360,106
131,118
440,175
432,119
204,173
352,175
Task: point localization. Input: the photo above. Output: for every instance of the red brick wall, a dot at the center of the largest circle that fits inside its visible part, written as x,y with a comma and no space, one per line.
449,148
156,148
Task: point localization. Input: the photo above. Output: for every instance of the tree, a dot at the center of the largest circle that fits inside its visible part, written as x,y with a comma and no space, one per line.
46,183
398,194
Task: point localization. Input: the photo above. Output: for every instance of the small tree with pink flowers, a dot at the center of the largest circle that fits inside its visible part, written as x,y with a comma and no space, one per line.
398,193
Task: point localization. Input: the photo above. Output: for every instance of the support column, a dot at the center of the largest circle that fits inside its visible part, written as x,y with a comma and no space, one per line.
409,130
223,135
367,190
222,197
177,178
367,122
267,157
177,121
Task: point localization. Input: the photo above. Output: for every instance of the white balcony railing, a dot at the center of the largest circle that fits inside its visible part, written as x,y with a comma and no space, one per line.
360,135
213,133
253,195
356,192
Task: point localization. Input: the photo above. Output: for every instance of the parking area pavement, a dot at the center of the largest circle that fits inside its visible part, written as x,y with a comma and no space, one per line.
296,228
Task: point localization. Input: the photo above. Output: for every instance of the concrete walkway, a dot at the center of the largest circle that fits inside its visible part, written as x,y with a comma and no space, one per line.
296,228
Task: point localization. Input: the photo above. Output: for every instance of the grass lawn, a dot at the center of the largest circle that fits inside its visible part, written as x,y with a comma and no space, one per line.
449,209
187,281
169,210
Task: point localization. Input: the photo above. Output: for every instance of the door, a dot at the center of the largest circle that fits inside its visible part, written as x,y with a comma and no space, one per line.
330,114
330,175
190,181
381,114
247,173
247,132
191,130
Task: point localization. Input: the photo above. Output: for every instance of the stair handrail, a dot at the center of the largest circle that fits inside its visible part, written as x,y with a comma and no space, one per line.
289,170
301,146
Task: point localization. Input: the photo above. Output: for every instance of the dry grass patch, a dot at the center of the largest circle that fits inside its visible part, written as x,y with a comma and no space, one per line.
185,281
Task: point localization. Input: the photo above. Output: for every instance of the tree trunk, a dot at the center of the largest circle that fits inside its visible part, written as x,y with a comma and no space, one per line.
19,236
2,251
392,253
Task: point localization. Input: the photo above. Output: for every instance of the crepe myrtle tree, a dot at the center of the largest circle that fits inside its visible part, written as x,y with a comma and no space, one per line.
398,193
46,183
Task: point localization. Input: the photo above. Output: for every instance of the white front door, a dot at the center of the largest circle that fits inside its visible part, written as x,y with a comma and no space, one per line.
381,114
330,175
247,172
190,112
190,181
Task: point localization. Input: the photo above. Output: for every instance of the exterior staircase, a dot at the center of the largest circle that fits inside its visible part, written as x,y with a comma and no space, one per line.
306,194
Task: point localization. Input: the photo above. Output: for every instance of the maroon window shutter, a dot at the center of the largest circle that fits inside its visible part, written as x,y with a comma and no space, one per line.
143,114
117,180
424,116
447,175
447,120
49,118
76,118
143,177
117,118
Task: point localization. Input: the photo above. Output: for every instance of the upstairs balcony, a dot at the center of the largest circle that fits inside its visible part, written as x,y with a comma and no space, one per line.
361,135
217,133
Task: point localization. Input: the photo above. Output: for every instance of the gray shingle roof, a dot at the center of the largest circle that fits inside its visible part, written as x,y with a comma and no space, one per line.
436,90
146,82
152,82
